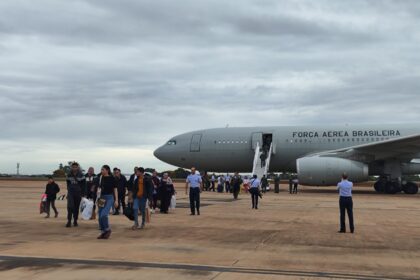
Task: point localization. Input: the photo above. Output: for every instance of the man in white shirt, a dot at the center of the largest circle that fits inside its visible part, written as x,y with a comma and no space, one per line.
346,203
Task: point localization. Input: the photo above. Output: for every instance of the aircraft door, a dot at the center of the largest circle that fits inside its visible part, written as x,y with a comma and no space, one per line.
195,143
257,137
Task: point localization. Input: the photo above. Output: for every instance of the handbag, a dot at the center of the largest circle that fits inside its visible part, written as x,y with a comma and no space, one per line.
129,212
101,200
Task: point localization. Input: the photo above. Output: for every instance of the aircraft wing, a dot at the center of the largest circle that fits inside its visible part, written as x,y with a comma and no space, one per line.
403,148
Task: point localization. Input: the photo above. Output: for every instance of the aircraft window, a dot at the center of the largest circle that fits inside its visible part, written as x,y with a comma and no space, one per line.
171,142
329,140
300,140
338,140
357,139
306,140
246,142
237,142
334,140
352,139
224,142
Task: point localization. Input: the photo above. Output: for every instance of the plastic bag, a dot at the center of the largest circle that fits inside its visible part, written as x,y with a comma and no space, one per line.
43,204
88,209
173,202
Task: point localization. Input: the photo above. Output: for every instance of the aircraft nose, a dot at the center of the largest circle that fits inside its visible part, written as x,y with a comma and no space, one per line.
158,153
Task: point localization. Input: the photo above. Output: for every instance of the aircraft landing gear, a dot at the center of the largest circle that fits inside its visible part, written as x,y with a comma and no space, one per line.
383,185
410,188
393,187
380,185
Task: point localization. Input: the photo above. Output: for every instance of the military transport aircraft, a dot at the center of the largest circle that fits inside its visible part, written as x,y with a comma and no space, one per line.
319,155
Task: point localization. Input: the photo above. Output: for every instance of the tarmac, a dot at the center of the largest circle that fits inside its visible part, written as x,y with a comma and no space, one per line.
289,237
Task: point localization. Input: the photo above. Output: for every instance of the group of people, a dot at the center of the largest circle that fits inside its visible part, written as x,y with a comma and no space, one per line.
109,190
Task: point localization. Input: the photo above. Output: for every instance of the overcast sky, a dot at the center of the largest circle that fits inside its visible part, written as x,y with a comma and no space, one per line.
106,81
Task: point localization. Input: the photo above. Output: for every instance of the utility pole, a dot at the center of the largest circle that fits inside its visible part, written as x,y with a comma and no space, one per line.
17,168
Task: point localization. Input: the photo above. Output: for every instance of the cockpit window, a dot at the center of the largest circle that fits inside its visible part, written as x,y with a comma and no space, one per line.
171,142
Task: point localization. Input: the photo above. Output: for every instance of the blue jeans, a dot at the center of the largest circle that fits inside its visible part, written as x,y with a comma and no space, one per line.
104,212
139,204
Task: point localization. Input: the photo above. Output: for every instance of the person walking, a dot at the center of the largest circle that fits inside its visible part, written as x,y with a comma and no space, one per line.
220,183
246,184
254,190
227,183
130,182
165,192
51,191
194,184
142,193
345,188
263,158
92,187
264,183
156,184
213,183
236,185
76,186
121,183
277,184
108,197
295,184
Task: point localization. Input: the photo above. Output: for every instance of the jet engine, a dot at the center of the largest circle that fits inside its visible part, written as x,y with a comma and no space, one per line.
327,171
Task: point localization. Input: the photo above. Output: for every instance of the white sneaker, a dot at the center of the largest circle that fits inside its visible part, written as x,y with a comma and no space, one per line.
152,211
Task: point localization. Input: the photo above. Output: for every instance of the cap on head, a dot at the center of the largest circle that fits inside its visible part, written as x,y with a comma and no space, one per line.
255,176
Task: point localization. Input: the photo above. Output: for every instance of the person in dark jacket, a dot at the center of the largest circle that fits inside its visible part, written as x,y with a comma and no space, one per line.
92,186
51,191
236,182
264,184
121,183
156,183
142,191
76,186
130,182
165,192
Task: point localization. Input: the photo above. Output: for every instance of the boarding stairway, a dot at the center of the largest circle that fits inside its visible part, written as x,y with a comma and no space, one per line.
257,168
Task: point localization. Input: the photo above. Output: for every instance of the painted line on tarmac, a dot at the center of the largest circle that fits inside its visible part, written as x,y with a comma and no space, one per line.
11,262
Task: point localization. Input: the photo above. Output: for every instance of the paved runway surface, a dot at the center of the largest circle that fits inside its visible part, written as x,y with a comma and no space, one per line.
289,237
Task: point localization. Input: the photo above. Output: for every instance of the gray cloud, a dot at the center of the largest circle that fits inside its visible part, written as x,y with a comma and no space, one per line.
125,76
